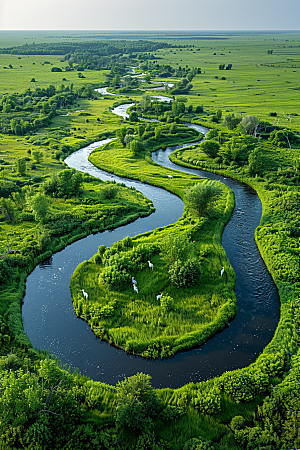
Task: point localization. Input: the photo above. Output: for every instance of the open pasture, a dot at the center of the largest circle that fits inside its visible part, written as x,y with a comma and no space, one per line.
258,83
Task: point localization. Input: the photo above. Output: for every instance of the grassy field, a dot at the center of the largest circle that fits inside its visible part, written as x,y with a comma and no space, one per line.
258,83
25,68
139,324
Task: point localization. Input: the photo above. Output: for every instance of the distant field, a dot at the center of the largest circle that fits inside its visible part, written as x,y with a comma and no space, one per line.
18,79
258,83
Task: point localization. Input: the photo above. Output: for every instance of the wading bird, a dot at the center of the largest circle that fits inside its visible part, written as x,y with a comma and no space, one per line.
150,265
159,296
135,289
85,294
133,280
170,176
222,271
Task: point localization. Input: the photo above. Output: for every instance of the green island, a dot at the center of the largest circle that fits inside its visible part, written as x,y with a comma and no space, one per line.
245,89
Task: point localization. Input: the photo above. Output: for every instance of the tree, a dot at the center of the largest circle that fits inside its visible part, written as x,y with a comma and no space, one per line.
231,122
21,166
69,183
136,147
39,204
185,273
201,197
177,246
210,148
37,156
121,133
256,163
137,402
249,124
128,139
145,102
116,81
134,117
157,133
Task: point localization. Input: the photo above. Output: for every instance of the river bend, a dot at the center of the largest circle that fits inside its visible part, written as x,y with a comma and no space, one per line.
50,322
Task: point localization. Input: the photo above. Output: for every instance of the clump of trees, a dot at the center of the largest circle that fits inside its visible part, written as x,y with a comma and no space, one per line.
66,183
181,87
26,112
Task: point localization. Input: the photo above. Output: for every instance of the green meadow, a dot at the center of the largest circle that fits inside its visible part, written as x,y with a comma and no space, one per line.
44,207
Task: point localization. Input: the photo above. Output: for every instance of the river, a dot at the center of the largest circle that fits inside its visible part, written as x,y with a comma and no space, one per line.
50,322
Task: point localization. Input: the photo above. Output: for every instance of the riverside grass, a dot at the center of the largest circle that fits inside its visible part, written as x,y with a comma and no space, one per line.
286,340
138,323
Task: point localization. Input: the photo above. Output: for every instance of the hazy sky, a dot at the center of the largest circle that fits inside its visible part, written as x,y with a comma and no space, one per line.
149,15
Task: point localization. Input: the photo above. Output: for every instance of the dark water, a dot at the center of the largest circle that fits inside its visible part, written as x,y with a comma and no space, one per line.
50,322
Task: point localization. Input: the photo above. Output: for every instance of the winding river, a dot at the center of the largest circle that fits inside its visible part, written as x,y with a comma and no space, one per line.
50,322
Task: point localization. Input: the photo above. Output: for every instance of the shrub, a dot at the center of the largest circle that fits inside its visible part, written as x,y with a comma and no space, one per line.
109,192
167,302
185,274
201,197
210,148
237,423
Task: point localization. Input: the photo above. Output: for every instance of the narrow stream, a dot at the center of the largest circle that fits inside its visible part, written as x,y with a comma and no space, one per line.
50,322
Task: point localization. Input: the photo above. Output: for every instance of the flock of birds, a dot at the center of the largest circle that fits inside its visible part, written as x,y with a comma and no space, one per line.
134,283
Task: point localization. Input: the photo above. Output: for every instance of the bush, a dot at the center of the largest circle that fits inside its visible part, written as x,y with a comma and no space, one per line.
237,423
201,197
185,274
109,192
210,148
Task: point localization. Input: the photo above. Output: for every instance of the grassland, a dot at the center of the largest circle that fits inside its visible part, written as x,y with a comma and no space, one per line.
139,324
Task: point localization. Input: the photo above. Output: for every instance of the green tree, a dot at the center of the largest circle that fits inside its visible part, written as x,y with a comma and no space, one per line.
230,121
202,196
176,246
134,117
157,133
37,156
136,147
256,163
137,402
69,183
210,148
249,124
116,81
145,102
121,133
21,166
39,204
7,208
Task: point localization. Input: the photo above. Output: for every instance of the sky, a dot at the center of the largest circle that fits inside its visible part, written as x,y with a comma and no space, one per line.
149,15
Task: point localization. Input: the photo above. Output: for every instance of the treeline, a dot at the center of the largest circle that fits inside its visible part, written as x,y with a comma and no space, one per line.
94,48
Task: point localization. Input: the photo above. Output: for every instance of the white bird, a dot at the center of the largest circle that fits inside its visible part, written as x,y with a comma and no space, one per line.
135,289
222,271
85,294
159,296
133,280
170,176
150,265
